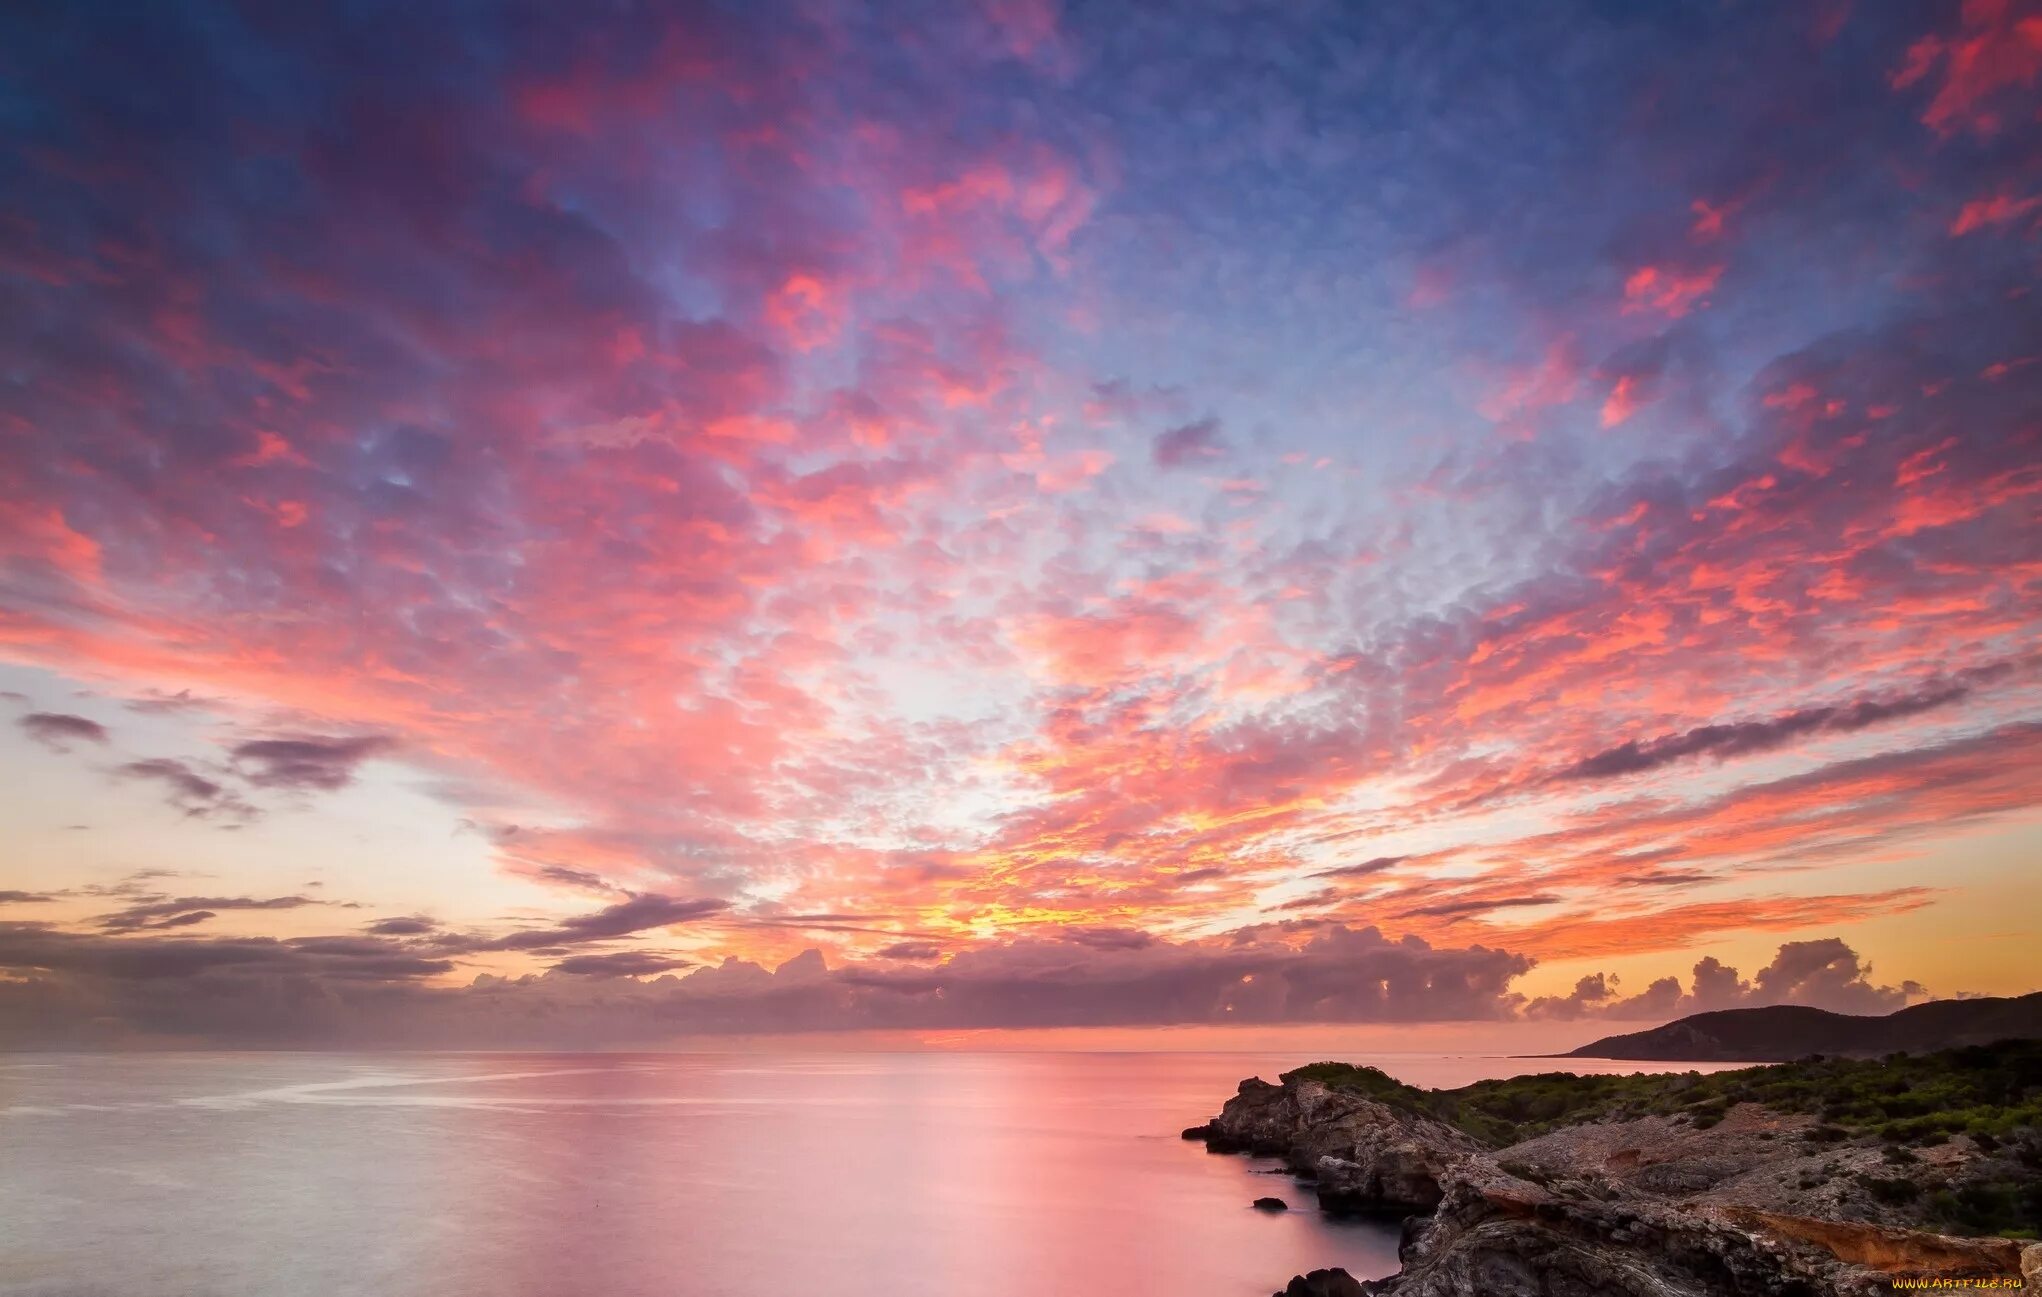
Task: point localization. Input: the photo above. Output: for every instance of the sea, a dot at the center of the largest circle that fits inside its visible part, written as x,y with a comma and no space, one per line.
929,1174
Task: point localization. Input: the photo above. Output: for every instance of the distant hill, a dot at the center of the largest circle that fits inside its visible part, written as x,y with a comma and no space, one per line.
1780,1032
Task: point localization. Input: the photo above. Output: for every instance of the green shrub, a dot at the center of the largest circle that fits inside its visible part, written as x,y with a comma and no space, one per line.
1889,1191
1989,1092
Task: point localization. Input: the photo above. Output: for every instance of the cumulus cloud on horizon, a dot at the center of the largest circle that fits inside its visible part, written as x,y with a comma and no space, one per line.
140,981
1823,974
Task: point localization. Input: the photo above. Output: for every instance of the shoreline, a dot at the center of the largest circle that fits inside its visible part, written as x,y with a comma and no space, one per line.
1648,1186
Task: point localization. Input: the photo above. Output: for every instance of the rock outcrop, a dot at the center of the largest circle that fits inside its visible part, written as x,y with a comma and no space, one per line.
1887,1250
1642,1208
1360,1154
1495,1235
1323,1283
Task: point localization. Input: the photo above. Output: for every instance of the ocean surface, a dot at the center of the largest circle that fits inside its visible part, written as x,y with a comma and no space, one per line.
683,1175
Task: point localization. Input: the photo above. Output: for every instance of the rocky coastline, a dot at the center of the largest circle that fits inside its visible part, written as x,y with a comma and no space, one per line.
1745,1202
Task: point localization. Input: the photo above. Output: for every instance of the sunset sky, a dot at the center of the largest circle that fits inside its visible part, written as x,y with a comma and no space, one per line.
1088,516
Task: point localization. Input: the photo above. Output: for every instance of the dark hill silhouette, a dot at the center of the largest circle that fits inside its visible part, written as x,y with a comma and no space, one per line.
1780,1032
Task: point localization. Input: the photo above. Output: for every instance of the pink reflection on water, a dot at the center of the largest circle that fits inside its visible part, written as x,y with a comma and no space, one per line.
862,1175
871,1174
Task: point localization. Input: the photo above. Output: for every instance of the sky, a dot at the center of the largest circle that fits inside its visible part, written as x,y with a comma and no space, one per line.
622,524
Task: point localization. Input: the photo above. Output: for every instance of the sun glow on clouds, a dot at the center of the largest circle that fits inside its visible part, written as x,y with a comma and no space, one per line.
656,455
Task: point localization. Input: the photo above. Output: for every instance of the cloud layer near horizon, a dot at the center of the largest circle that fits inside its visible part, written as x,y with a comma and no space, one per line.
931,484
77,990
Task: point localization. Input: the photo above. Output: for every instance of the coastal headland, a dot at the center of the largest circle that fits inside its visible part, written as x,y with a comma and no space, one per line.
1820,1177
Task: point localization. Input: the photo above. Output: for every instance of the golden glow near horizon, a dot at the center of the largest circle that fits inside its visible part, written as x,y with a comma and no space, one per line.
1066,565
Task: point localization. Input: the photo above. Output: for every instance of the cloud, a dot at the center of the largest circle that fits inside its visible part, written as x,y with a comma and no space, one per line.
1117,400
35,947
920,950
648,910
188,790
1744,737
1596,995
410,926
12,897
364,989
308,762
1994,51
1823,974
761,513
1198,442
1673,291
186,910
1473,905
623,963
157,702
578,879
57,731
1362,869
1829,974
388,988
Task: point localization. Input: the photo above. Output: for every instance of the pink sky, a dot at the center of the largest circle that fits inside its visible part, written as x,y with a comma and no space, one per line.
1081,522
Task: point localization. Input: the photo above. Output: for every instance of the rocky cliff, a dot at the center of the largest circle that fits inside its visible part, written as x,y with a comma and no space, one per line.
1752,1203
1360,1155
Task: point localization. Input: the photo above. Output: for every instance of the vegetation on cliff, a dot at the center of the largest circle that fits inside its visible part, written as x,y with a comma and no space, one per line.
1989,1090
1991,1094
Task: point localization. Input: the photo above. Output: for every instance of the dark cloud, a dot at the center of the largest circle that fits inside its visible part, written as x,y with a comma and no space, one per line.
915,950
379,989
1362,869
1190,443
822,922
188,790
308,762
24,898
581,879
623,963
1324,896
367,989
402,927
1100,938
39,947
158,703
57,731
186,910
1338,975
1741,738
134,885
647,910
1473,905
1668,878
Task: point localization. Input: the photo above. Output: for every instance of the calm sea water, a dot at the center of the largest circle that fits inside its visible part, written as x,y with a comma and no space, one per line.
553,1175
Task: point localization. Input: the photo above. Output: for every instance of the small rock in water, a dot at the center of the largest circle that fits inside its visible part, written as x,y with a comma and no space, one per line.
1198,1132
1323,1283
1271,1204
